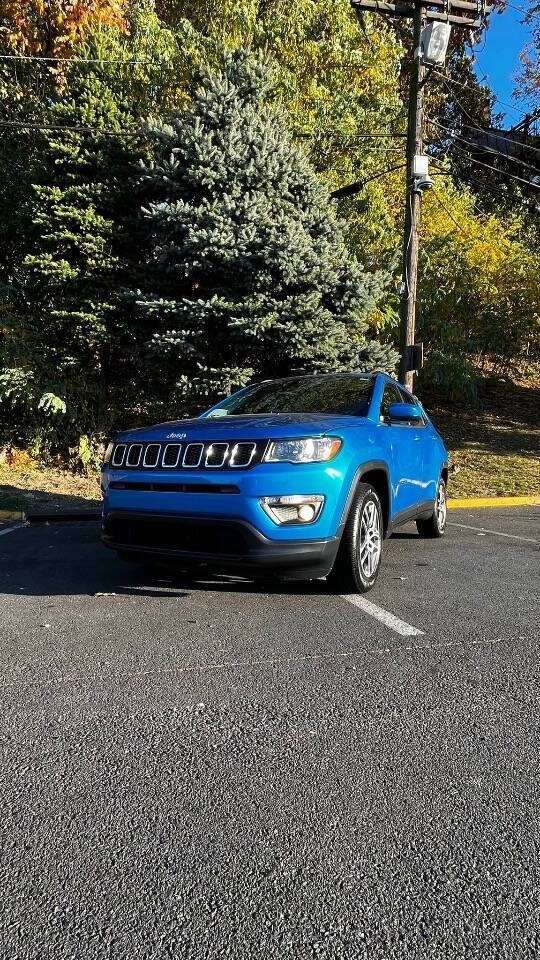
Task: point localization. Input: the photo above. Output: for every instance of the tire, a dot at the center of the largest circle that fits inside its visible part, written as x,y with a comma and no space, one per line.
357,566
435,526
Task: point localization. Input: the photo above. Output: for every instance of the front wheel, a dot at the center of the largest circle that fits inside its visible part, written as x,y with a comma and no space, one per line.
435,526
359,557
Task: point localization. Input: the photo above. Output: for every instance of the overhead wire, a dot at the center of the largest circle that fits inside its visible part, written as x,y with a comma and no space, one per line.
352,188
467,86
29,125
528,13
475,126
100,60
494,132
502,173
465,178
490,150
451,215
22,125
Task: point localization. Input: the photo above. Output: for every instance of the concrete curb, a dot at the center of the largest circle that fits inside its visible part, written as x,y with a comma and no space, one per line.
465,502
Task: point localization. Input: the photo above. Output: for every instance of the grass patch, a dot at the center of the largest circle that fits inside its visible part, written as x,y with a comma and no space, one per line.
497,449
34,488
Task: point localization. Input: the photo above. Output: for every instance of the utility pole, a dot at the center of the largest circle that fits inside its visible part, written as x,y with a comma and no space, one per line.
431,22
413,200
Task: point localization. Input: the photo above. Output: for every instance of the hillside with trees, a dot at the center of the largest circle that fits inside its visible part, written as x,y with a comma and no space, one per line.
168,231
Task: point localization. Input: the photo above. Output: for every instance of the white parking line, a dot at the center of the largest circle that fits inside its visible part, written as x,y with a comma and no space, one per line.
389,620
497,533
17,526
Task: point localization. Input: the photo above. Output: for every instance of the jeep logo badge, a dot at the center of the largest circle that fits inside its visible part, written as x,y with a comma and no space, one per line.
176,436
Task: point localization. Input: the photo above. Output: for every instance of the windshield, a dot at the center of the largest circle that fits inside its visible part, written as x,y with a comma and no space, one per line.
324,393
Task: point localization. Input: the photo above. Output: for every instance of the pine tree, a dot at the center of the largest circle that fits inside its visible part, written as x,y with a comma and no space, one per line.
73,339
248,274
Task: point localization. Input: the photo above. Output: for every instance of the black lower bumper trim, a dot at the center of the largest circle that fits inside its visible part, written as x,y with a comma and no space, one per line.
217,543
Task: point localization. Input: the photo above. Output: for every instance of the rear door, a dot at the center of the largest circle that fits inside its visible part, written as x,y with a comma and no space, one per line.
403,442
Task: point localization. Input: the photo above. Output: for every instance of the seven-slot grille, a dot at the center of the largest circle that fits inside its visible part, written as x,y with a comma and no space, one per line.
187,456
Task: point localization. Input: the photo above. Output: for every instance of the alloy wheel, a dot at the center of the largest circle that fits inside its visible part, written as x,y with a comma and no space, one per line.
370,539
440,506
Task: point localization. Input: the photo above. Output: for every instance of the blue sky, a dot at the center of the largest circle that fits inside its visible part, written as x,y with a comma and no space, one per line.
497,56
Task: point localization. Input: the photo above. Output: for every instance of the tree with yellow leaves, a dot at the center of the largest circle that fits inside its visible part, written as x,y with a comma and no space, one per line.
49,28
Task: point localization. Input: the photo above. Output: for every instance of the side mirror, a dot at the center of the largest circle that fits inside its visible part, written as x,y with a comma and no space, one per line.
404,411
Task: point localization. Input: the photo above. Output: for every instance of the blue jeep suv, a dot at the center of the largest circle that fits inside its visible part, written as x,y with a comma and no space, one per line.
302,478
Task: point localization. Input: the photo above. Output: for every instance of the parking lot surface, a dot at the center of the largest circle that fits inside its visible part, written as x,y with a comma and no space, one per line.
217,769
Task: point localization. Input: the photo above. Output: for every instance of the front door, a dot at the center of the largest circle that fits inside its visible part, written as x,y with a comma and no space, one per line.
403,443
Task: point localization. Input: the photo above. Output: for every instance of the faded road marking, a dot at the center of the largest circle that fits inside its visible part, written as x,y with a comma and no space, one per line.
496,533
337,655
389,620
11,529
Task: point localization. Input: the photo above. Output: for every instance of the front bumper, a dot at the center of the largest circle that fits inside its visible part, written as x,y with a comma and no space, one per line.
217,543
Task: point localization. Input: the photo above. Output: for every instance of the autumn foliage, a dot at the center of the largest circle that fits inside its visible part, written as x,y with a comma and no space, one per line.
50,28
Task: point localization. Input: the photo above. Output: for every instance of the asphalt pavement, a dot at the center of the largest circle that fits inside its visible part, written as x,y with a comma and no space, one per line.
216,769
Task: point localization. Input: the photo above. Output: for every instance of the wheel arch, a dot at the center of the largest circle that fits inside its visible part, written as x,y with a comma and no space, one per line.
374,472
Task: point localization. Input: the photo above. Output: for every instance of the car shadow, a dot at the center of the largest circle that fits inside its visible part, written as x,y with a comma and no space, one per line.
58,559
405,536
40,501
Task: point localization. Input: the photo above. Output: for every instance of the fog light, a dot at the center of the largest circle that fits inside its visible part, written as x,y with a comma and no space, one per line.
306,512
293,508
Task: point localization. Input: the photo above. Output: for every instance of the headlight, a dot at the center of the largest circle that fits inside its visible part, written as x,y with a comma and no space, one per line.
304,450
294,508
108,454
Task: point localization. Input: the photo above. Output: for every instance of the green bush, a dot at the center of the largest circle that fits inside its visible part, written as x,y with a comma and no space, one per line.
451,378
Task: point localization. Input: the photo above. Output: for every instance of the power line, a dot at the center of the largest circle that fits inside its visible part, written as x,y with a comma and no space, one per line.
502,173
490,150
467,86
451,215
358,136
21,125
497,136
509,107
466,179
353,188
20,56
475,126
528,13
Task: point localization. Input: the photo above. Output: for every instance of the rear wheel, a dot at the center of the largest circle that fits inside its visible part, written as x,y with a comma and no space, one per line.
436,524
359,557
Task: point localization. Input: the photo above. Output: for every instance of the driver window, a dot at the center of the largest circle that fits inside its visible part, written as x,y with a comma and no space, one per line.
390,395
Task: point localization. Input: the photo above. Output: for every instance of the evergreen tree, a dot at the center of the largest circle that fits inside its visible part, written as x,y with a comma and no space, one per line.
72,325
248,274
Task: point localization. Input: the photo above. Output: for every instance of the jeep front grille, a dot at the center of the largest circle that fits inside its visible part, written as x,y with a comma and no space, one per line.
171,455
187,456
193,454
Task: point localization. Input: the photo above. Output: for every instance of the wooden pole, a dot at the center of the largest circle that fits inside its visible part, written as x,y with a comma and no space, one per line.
412,205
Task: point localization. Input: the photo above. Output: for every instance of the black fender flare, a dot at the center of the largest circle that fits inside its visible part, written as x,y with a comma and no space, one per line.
364,468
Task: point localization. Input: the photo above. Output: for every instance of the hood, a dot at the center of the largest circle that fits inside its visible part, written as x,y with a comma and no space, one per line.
252,427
